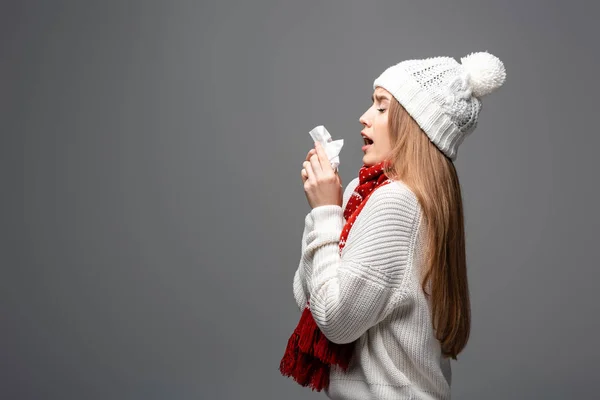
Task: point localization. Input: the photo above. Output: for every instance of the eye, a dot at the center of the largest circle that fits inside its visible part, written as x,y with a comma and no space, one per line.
381,110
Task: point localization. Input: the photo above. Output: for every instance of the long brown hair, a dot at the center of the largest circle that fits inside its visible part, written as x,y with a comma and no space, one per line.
417,162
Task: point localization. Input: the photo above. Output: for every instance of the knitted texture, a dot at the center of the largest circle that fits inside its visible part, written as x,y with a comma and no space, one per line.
309,354
370,295
442,95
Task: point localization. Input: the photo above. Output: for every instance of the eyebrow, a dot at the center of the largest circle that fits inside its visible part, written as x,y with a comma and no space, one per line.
380,97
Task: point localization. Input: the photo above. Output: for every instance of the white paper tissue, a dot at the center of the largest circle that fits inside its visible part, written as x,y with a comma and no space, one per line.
332,147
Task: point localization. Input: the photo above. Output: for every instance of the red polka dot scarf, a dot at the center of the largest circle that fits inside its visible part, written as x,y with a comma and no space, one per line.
309,354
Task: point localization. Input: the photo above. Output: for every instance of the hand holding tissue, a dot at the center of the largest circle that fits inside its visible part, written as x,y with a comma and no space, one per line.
332,147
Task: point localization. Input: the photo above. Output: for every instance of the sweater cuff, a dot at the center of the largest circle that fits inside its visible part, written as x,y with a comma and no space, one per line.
328,218
308,220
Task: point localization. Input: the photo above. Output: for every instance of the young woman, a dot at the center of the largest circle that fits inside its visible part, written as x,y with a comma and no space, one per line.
382,281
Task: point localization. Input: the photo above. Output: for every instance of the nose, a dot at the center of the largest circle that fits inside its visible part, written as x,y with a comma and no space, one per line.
363,120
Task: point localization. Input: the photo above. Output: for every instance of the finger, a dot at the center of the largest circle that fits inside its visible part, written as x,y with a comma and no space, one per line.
323,159
316,166
309,170
304,174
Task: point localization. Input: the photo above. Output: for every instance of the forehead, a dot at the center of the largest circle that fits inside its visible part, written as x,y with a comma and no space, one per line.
381,93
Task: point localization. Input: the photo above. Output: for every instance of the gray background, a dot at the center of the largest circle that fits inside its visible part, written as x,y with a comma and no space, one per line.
163,206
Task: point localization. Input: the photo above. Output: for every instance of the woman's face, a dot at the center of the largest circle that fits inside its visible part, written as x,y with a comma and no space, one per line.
377,145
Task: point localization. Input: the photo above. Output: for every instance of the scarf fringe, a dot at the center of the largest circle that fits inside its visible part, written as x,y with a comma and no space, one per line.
309,354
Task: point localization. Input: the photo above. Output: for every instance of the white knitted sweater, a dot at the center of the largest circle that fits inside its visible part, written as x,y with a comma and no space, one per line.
373,293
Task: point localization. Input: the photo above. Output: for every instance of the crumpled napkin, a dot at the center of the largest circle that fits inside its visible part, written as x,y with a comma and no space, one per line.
332,147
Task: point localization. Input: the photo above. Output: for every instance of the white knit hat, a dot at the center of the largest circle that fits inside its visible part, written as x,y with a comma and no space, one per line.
442,96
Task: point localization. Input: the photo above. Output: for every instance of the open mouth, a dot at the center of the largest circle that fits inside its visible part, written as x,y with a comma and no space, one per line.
367,141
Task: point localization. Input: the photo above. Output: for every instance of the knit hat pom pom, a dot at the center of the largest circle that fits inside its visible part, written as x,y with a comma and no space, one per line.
486,70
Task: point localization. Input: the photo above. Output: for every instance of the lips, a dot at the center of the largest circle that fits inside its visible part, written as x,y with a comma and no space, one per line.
368,141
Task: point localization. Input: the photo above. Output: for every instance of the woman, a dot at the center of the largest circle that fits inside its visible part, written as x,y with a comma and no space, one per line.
382,281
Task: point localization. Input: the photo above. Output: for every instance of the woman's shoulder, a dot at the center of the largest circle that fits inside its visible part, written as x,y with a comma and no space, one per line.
396,195
396,185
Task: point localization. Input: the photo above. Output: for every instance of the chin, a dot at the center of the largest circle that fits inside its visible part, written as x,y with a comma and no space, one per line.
368,161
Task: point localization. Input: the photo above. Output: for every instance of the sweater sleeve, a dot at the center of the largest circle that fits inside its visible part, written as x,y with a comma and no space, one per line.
300,290
299,286
355,291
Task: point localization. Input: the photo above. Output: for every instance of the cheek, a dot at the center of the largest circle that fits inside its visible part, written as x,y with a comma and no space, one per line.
382,129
